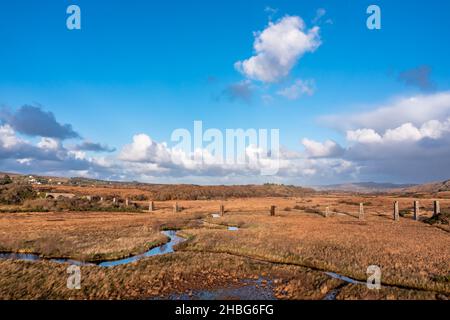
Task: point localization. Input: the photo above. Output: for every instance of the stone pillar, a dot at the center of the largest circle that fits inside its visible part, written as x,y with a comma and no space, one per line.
437,208
127,202
361,211
222,209
272,210
396,211
175,208
151,206
101,199
114,200
416,210
327,212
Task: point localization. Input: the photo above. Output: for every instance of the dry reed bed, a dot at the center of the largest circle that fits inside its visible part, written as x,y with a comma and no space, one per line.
410,254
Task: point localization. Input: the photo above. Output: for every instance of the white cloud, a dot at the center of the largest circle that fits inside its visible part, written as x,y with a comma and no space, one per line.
363,136
405,132
433,129
143,148
415,110
406,147
278,48
317,149
49,144
8,138
299,88
48,156
405,141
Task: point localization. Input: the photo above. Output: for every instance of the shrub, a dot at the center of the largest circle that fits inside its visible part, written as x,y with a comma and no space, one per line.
75,204
312,210
139,197
5,180
442,218
14,193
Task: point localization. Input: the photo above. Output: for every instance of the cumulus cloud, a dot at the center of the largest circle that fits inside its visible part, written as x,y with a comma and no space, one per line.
144,149
363,136
433,129
406,140
45,153
46,156
278,49
403,154
33,121
12,146
416,110
8,137
410,145
327,149
419,77
94,147
145,158
298,89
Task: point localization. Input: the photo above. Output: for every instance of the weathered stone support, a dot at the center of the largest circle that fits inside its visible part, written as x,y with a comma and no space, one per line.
222,209
151,206
361,211
416,210
437,208
396,211
272,210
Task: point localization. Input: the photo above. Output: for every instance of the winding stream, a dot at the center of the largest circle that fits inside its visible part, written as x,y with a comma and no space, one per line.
247,291
162,249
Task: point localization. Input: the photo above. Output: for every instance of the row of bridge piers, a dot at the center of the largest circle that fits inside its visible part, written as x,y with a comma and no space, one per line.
272,208
396,210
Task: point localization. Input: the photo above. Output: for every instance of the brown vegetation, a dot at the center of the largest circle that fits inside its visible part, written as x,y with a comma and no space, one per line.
180,192
291,249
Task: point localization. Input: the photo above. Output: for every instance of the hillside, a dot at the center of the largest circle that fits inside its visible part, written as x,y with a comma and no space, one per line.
147,191
433,187
362,187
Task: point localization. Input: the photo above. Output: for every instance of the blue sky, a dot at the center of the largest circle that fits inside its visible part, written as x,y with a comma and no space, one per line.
151,67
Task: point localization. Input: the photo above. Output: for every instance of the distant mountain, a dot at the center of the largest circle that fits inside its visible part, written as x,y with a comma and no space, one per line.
432,187
363,187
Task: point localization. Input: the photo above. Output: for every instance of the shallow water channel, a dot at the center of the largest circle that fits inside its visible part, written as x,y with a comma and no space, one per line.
163,249
249,290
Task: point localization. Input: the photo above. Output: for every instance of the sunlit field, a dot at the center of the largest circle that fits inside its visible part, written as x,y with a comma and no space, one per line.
302,252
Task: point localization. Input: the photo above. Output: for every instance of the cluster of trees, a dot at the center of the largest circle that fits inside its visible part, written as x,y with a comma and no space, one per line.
14,193
76,204
194,192
5,180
